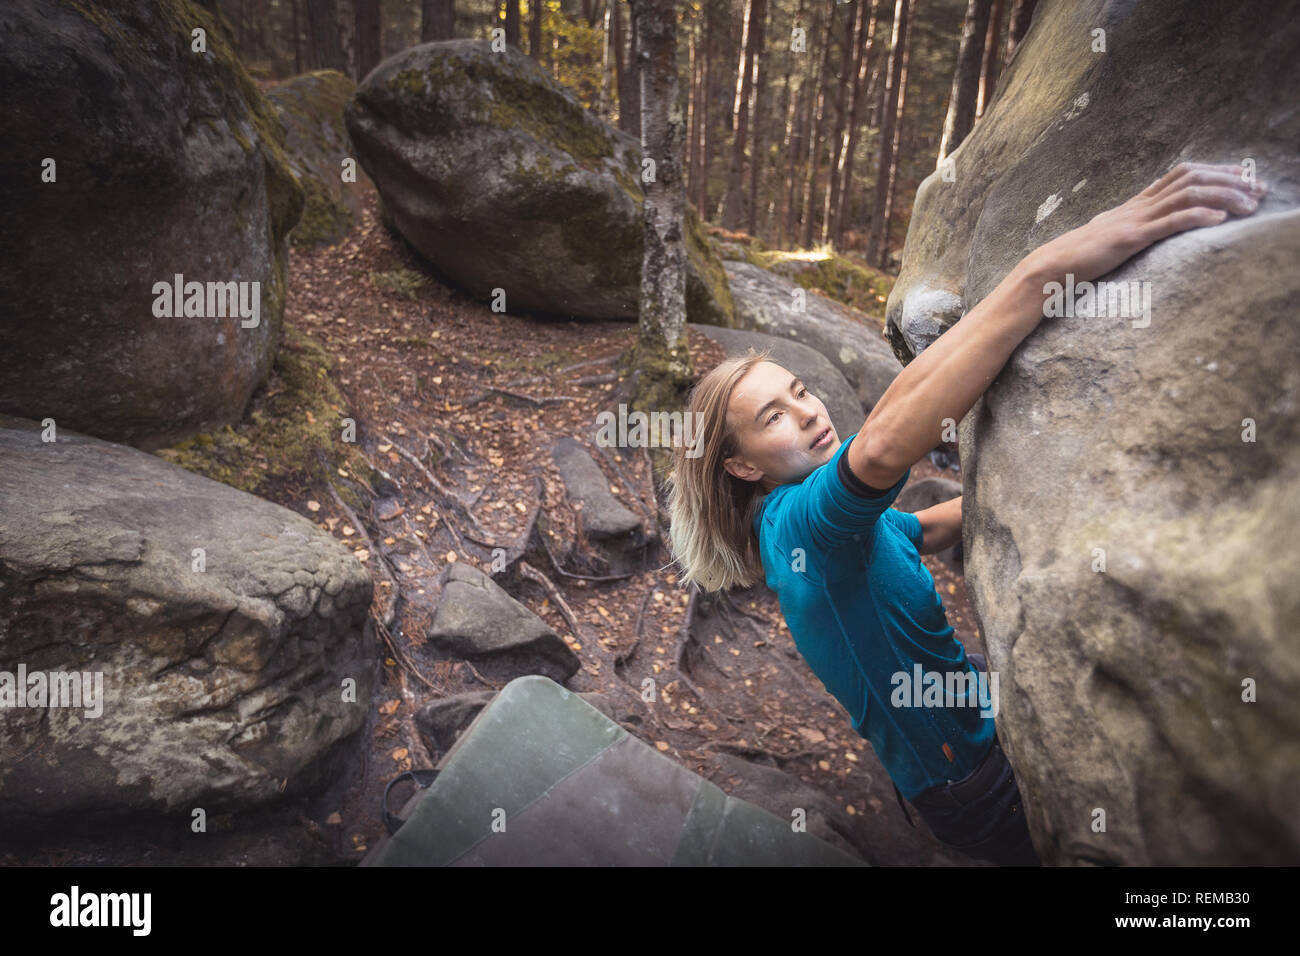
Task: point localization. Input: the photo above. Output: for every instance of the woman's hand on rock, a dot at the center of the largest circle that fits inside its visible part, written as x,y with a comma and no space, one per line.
1188,196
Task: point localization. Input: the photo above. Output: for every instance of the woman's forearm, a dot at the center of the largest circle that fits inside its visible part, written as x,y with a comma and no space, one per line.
940,526
946,379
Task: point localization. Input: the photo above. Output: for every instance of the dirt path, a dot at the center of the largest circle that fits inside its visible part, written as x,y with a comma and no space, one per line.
415,365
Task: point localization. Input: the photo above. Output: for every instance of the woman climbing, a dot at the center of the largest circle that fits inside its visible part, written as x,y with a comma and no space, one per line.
775,494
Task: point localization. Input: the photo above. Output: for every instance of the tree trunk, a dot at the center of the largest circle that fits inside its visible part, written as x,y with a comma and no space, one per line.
629,89
1022,12
323,31
437,20
966,78
512,23
818,133
758,102
991,65
733,204
711,61
898,136
659,366
368,34
842,85
888,118
535,28
803,130
695,60
861,95
789,110
297,38
603,106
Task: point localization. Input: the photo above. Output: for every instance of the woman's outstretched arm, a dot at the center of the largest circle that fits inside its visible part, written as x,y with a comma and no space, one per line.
946,379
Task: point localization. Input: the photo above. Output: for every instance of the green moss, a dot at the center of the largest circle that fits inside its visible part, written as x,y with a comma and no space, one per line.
132,35
310,108
323,220
289,424
708,293
503,93
838,276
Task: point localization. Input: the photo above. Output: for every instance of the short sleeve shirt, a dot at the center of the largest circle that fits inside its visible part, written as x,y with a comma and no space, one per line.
865,615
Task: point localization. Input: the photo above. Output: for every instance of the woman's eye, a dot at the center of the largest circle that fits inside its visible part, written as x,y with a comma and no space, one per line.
803,393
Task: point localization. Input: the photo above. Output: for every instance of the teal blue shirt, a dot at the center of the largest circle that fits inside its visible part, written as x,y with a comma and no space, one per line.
864,612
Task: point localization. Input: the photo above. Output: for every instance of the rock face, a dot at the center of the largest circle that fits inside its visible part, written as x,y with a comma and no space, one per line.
166,162
818,373
616,533
310,108
221,680
765,302
1132,505
478,621
501,179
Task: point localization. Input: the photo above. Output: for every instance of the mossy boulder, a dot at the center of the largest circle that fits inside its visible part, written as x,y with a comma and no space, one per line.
310,107
292,435
833,274
502,180
131,158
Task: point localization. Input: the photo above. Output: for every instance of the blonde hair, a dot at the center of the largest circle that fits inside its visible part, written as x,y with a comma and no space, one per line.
711,511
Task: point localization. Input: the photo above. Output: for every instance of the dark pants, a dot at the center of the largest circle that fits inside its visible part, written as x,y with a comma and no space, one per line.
981,815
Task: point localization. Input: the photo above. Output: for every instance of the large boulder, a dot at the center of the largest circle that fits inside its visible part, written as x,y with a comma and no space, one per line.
310,108
1132,505
502,179
223,628
767,302
163,162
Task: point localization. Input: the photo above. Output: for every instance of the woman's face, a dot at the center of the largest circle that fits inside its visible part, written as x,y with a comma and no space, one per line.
778,421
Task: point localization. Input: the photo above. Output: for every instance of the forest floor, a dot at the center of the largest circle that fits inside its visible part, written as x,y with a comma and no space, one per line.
415,362
414,365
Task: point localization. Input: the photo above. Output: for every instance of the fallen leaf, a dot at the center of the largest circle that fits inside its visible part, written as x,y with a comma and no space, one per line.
313,506
400,753
661,745
390,707
334,819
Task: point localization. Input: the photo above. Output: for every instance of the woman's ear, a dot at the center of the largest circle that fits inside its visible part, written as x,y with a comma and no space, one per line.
742,469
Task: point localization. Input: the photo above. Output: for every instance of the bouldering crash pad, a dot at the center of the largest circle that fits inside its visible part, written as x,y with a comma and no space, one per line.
542,778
